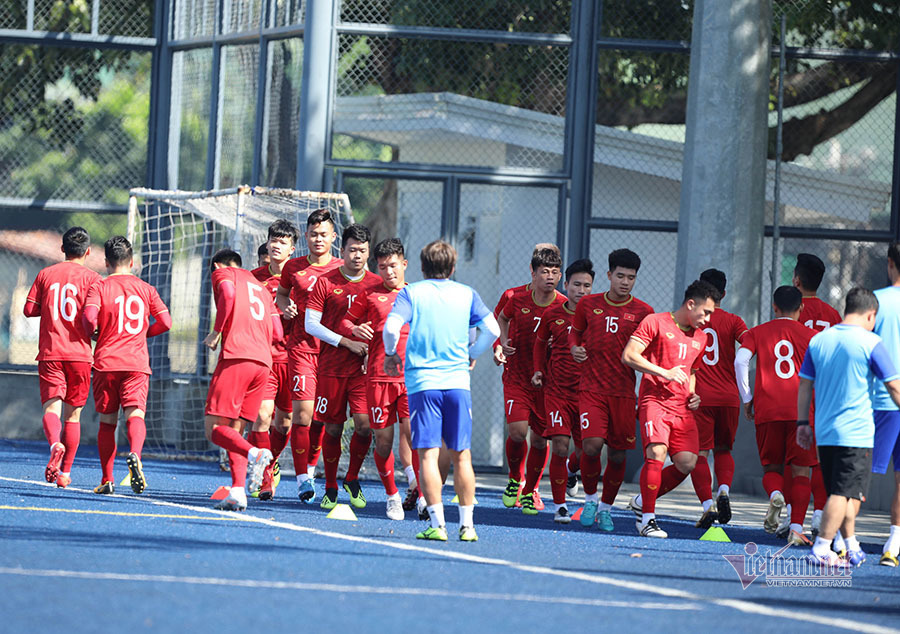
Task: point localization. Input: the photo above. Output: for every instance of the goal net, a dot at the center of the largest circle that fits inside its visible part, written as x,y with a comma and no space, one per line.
175,234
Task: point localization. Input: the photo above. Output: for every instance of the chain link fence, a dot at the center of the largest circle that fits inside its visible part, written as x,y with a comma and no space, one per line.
647,19
189,118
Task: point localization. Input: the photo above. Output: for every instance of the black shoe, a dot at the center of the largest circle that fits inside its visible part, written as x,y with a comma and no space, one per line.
136,469
708,518
409,503
572,485
723,506
105,488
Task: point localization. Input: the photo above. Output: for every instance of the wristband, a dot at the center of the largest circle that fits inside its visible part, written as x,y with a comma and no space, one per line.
803,423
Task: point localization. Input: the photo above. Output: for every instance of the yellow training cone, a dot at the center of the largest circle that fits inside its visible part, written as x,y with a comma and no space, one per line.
342,512
715,534
126,482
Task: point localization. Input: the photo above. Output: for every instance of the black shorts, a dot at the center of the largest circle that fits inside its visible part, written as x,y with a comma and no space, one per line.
846,470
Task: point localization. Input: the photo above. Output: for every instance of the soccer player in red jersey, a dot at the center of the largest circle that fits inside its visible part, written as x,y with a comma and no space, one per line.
818,315
118,309
274,417
64,352
519,321
718,415
342,379
385,395
779,346
602,326
298,279
557,372
667,348
247,324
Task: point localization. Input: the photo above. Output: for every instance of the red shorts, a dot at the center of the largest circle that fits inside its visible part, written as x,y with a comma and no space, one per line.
562,415
236,389
66,380
611,418
716,425
387,403
678,432
524,404
335,393
278,387
302,367
777,444
120,389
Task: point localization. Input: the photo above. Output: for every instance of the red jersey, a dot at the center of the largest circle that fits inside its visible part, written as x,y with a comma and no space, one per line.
58,293
504,298
125,303
374,306
332,296
247,331
271,282
603,327
716,382
668,346
818,315
525,317
299,277
779,346
561,371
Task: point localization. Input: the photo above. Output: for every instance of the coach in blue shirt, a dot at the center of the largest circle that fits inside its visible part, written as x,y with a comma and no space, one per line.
440,313
844,362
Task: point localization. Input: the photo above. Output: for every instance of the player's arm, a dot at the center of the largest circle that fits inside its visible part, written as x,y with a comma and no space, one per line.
163,320
287,307
539,355
400,315
33,301
483,319
632,356
883,367
576,335
277,328
693,401
352,323
804,398
505,344
742,377
90,312
499,357
224,308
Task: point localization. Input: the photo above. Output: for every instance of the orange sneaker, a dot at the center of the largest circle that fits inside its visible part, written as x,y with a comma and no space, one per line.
62,481
538,502
57,451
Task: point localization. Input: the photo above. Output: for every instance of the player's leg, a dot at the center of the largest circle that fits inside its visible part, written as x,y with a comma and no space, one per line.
106,401
134,388
78,387
558,476
535,465
456,434
259,436
410,461
770,442
799,497
331,410
891,548
701,476
620,437
517,410
835,511
426,426
644,504
593,420
137,433
726,428
52,382
305,446
360,441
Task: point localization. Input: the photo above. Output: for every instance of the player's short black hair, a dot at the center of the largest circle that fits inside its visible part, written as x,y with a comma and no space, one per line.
282,228
894,254
624,258
319,216
438,260
714,277
75,242
583,265
118,250
700,291
809,270
357,232
859,301
389,247
546,257
262,250
228,257
787,298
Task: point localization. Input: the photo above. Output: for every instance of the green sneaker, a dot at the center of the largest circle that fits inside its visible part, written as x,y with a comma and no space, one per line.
511,493
357,498
467,534
276,475
435,534
528,504
329,500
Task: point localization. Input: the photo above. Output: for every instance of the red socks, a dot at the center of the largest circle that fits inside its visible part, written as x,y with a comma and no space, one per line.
800,490
670,478
230,439
515,456
71,437
106,445
612,480
52,427
359,447
820,495
278,441
238,464
773,481
590,473
137,434
331,451
724,465
386,471
259,439
701,478
316,432
558,476
300,448
415,466
651,476
536,461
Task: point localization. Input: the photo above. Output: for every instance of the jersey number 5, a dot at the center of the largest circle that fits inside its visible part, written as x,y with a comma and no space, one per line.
257,307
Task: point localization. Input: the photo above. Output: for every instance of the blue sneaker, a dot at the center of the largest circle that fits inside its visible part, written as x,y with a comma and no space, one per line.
856,558
307,491
588,514
604,519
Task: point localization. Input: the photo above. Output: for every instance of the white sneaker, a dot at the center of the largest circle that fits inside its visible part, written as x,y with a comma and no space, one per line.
784,528
651,529
572,485
395,508
562,515
633,505
422,508
776,504
816,523
236,501
258,460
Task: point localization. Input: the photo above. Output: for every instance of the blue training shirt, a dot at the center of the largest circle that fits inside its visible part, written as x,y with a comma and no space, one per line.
887,326
845,361
439,313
